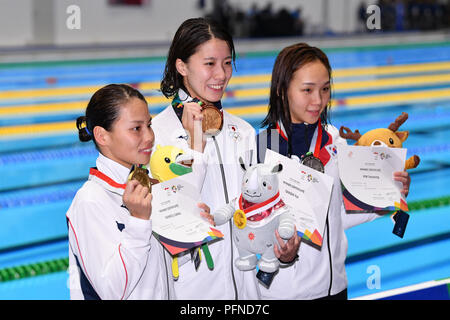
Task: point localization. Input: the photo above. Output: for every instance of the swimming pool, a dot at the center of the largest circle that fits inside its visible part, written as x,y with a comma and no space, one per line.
42,163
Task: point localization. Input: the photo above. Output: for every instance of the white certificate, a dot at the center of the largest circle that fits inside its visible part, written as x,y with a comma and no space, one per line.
176,219
308,192
366,175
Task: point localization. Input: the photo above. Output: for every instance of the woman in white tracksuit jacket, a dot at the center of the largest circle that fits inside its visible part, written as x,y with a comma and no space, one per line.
112,252
219,175
199,65
299,99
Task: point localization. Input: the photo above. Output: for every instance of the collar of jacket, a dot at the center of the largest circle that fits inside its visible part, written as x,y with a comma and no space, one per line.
109,174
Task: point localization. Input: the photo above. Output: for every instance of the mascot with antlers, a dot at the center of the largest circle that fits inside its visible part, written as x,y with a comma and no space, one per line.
389,137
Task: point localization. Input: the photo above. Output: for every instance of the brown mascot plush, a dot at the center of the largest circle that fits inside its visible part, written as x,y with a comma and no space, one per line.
389,137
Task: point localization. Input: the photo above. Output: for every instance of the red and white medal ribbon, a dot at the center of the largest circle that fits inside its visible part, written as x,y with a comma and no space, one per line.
262,207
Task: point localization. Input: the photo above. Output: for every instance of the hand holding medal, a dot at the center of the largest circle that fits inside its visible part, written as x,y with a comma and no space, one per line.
137,196
140,173
199,119
212,119
191,119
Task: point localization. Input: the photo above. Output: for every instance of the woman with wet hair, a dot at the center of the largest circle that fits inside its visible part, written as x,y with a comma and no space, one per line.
198,68
112,252
298,127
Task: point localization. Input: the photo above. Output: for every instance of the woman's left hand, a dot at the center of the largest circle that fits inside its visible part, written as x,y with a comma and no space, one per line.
405,179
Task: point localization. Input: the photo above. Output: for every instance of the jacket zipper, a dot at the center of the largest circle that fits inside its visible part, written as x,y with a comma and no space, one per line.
329,256
224,183
167,275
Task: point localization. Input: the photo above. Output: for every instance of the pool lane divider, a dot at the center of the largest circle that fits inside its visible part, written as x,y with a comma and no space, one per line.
265,79
379,100
156,98
34,269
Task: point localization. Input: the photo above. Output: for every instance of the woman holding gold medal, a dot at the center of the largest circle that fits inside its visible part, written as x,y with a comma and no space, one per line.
297,120
112,252
198,68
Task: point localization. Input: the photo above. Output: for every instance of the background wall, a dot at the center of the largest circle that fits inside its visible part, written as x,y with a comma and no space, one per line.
102,23
43,22
16,22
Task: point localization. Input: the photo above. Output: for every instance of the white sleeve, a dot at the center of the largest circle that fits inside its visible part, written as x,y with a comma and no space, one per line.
199,166
112,261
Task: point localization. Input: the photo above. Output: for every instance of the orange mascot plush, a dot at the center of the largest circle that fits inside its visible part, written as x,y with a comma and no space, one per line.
389,137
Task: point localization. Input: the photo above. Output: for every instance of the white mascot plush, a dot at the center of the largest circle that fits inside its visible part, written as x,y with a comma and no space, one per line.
256,214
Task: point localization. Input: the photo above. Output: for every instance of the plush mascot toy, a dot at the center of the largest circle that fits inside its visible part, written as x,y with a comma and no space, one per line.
256,214
166,163
169,162
389,137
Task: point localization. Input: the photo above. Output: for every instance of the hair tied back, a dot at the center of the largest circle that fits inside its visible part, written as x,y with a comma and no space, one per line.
84,126
83,131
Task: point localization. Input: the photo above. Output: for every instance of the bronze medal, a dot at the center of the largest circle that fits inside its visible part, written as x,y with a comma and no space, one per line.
311,161
212,120
141,175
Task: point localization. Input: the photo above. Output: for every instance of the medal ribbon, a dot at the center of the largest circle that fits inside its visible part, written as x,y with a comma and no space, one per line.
182,97
260,208
106,181
318,140
317,134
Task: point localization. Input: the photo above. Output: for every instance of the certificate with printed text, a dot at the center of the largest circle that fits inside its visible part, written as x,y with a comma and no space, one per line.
366,175
176,219
307,192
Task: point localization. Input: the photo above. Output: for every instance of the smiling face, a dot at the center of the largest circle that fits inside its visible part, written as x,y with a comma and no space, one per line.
130,140
308,92
207,72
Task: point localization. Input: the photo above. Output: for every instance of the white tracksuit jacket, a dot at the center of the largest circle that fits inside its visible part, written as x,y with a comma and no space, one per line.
237,137
113,255
317,273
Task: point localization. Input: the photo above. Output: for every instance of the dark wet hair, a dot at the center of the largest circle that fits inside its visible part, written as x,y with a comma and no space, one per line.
289,60
103,109
189,36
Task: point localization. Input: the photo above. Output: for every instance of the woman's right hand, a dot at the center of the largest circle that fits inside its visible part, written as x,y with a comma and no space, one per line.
206,213
138,200
192,122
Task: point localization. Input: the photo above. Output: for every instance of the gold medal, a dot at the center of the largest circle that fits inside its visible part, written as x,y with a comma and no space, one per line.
212,120
141,175
239,218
